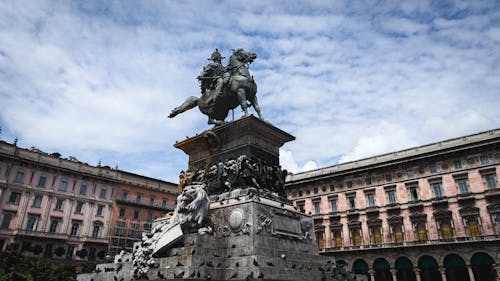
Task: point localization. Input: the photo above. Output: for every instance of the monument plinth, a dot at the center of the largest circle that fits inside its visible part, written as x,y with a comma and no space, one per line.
248,136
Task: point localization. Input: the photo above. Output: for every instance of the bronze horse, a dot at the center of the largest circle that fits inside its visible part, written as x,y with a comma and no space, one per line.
240,90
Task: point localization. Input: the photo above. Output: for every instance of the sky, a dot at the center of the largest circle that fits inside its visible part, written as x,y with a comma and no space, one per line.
349,79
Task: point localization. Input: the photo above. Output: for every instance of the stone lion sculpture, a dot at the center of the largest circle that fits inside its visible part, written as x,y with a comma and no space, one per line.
192,208
190,214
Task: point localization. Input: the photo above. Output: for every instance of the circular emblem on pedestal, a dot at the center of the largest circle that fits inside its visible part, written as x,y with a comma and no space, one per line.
236,219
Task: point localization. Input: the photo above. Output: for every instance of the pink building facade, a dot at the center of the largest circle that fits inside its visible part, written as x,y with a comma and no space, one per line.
426,213
58,208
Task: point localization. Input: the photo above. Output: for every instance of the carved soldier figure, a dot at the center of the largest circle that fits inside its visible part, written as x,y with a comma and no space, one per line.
213,73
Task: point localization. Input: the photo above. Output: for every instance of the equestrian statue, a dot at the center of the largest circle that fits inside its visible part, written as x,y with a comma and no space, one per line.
224,88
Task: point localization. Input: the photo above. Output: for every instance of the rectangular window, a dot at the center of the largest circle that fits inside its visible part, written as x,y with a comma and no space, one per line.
315,190
349,184
122,212
37,202
463,186
332,187
484,160
53,226
151,200
413,193
7,218
391,195
14,198
74,229
124,195
102,195
99,210
120,225
491,182
457,164
150,216
138,198
20,177
316,207
31,224
333,205
437,190
63,185
83,189
59,204
92,253
368,180
41,181
136,214
301,193
352,202
432,169
371,199
410,174
79,208
388,178
164,203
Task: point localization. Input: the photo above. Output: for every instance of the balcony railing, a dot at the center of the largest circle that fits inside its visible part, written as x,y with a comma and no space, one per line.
41,234
142,203
469,239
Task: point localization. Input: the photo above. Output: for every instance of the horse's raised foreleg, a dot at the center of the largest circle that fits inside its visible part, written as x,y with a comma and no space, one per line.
243,101
190,103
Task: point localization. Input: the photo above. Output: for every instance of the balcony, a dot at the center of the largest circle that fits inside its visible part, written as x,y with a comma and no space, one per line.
436,242
98,240
142,203
41,234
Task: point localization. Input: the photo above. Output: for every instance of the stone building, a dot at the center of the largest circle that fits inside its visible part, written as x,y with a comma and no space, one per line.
63,208
139,200
424,214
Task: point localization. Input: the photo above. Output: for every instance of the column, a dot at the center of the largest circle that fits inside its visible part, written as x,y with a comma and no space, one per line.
88,219
67,216
442,270
497,268
107,223
46,212
471,273
394,274
22,212
372,274
417,273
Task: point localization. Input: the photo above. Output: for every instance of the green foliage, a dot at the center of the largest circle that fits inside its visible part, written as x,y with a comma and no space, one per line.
16,267
88,267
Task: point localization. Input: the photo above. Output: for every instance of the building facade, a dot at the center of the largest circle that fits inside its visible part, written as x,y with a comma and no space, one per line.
62,208
139,201
425,214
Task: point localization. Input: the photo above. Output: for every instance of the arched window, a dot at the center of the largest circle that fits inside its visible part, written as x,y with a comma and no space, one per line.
20,177
356,237
421,231
472,223
320,240
446,230
398,233
376,235
96,231
337,238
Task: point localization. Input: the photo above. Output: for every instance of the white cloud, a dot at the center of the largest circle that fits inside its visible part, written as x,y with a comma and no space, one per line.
288,163
97,78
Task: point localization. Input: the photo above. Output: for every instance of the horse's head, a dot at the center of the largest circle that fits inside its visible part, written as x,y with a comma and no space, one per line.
243,56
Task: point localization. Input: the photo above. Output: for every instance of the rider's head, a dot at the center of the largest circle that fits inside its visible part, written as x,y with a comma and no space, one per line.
216,56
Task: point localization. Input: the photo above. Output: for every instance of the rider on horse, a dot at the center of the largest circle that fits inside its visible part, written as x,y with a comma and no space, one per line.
213,73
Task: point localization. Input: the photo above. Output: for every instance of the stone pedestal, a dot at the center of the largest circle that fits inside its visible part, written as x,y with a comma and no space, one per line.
256,233
248,136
